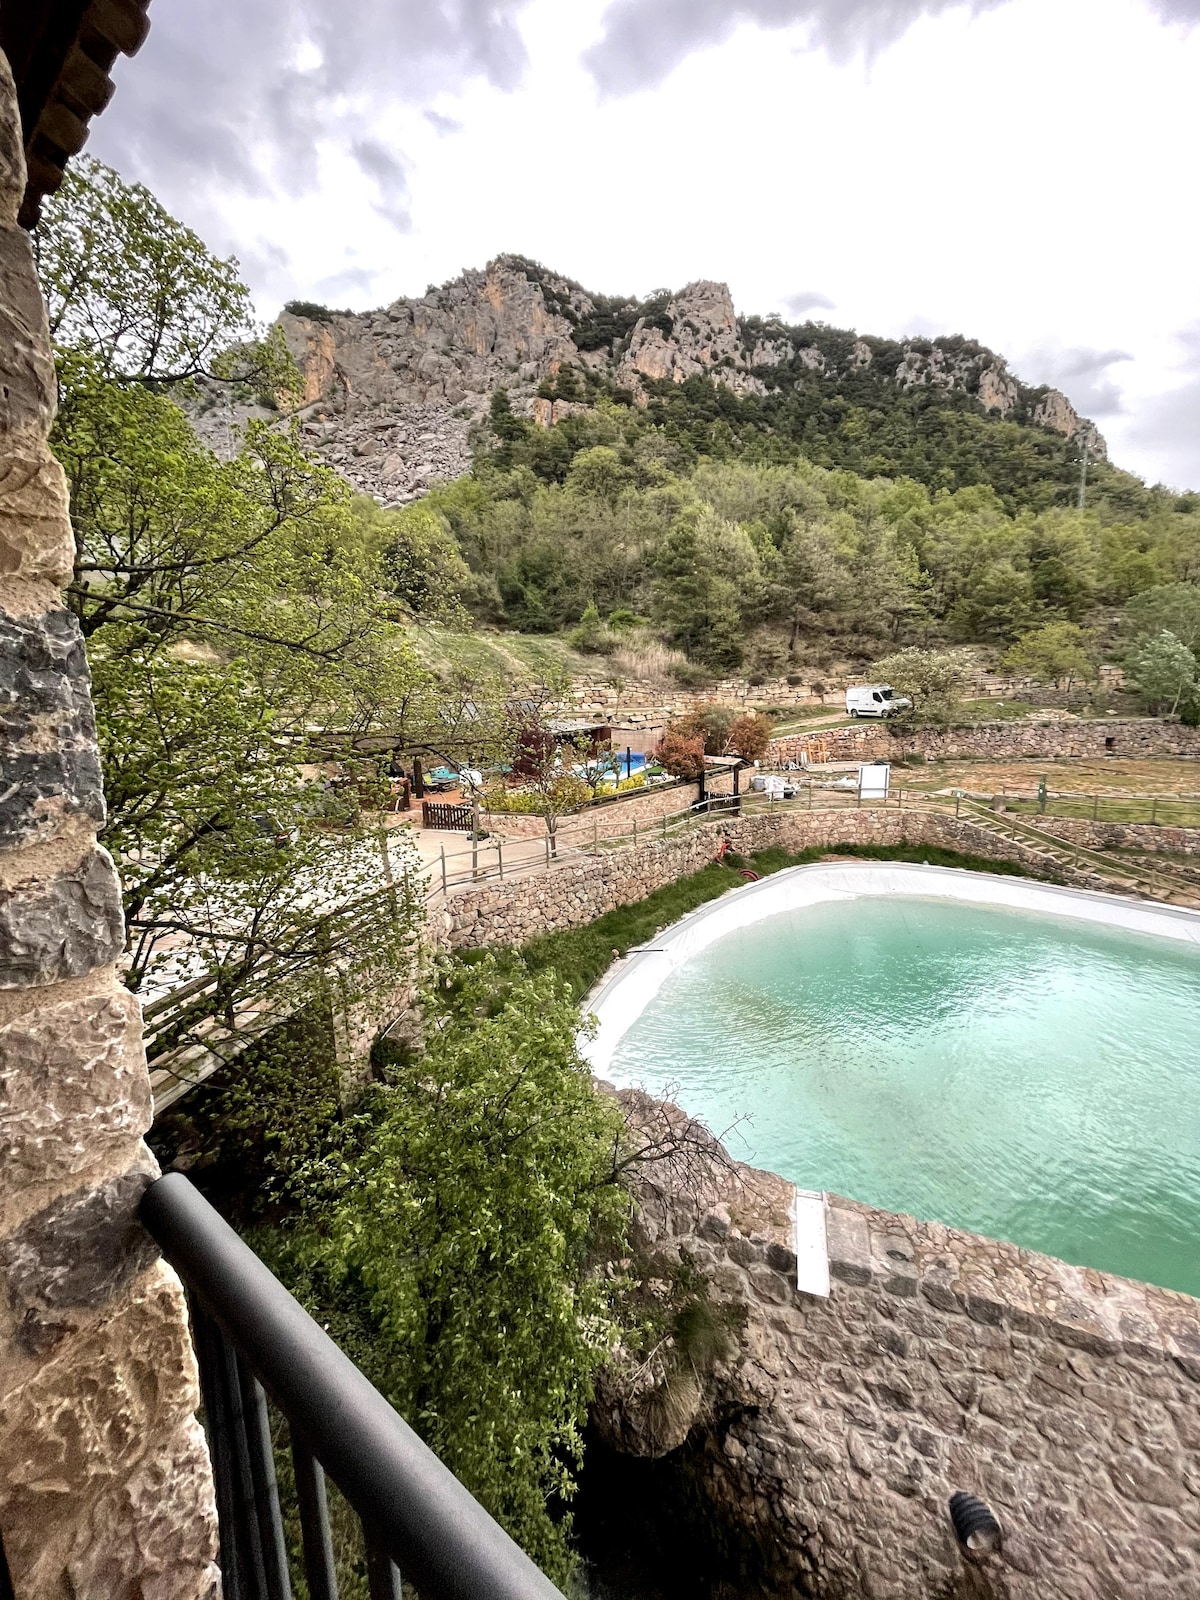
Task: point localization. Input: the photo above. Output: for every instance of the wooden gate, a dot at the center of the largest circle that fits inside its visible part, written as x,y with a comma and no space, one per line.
443,814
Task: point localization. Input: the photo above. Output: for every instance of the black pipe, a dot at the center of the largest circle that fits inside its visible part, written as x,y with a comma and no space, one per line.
438,1534
974,1525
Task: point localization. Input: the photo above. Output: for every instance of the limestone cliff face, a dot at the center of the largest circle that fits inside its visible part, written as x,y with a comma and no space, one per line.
391,394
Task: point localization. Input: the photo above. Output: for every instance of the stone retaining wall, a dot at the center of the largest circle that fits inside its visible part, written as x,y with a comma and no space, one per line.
639,702
1066,1398
1123,835
105,1487
513,912
1135,738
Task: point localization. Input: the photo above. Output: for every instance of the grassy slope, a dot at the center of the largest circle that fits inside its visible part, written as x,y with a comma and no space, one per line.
581,955
511,655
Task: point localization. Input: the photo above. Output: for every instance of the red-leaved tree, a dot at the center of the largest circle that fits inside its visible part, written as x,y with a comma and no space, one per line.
680,753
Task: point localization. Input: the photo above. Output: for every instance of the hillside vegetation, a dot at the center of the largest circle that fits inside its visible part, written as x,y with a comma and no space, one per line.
609,523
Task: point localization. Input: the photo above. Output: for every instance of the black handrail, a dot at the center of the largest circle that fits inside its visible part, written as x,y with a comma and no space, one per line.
251,1336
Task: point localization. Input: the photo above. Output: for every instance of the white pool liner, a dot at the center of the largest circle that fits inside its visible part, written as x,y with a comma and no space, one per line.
634,982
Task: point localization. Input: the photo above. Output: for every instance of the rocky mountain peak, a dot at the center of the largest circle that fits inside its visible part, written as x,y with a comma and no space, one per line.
391,394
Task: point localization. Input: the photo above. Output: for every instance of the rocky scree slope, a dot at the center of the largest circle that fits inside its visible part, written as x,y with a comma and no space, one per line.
390,395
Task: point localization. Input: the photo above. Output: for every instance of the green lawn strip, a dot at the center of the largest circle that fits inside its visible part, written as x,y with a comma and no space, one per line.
581,955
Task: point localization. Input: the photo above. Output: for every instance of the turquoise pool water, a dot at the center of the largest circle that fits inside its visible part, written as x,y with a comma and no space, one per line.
1028,1077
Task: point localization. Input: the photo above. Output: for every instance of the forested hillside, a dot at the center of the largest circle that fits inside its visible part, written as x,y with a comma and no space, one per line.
752,494
745,562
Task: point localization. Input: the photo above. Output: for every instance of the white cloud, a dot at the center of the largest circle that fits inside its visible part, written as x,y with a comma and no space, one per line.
806,301
1017,172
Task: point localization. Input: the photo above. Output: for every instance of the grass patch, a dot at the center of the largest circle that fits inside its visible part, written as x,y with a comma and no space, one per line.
524,657
580,956
986,710
1105,808
800,718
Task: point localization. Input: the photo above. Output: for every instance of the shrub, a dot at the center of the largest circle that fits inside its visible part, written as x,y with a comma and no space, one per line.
313,311
681,753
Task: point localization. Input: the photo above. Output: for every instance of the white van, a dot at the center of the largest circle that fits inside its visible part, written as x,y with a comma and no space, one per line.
875,700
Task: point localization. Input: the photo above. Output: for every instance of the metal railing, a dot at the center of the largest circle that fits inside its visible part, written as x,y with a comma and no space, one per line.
257,1346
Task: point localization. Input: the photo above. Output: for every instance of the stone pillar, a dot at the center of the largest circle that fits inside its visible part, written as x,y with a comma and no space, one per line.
105,1487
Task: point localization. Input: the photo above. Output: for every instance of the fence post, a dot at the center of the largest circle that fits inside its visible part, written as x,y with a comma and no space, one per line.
595,835
1154,809
443,869
1095,806
957,798
500,854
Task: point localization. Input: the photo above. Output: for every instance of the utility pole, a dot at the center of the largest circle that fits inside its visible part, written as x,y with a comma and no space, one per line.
1083,473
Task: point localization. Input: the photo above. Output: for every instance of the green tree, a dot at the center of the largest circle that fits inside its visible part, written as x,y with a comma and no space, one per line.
697,606
591,636
1167,608
450,1247
138,293
236,613
1061,653
1163,671
931,679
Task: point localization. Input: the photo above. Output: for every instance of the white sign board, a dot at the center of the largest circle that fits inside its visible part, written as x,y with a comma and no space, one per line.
873,780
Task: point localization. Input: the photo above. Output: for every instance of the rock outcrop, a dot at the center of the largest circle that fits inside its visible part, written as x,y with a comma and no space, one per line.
391,395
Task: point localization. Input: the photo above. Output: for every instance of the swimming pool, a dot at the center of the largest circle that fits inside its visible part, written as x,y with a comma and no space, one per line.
998,1055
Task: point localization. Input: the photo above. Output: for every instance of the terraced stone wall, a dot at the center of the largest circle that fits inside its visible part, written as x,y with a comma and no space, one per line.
105,1488
1133,738
513,912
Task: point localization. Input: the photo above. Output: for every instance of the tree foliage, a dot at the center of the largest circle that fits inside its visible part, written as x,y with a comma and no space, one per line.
136,291
1163,671
237,613
614,512
449,1244
1057,652
931,679
681,752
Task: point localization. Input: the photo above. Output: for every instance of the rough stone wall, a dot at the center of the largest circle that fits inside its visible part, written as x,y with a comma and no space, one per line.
105,1488
1066,1398
577,892
997,741
513,912
1158,837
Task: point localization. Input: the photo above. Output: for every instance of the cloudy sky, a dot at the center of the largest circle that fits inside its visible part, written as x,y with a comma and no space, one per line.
1021,171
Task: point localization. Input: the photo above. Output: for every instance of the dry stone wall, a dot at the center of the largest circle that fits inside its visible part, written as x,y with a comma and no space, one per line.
1066,1398
105,1488
1156,837
512,912
1134,738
